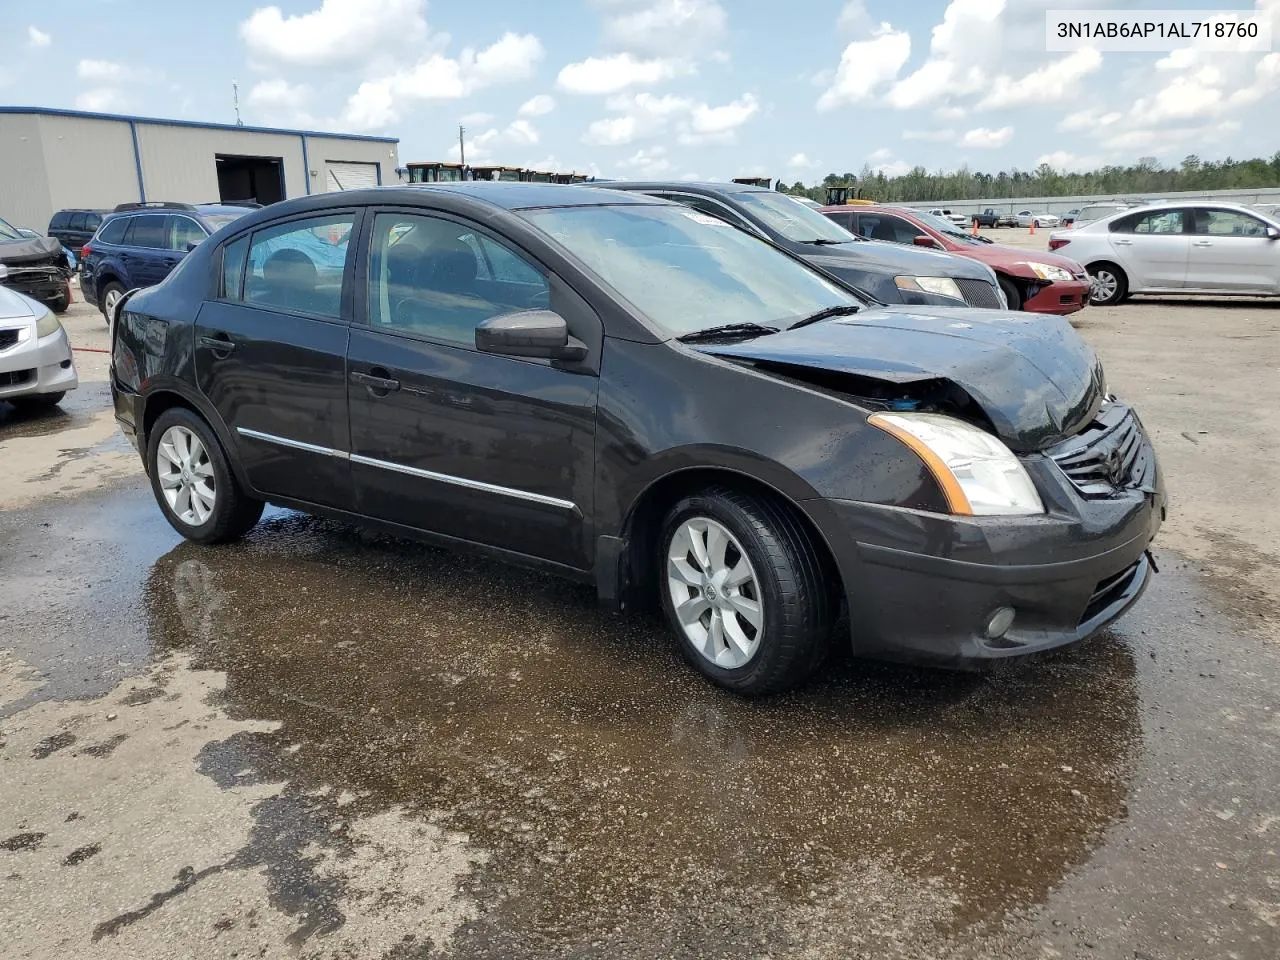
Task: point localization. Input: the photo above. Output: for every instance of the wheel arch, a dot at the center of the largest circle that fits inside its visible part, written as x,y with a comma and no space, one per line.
171,395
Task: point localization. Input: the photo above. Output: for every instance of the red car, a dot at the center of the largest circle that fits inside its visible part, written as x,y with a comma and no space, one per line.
1031,280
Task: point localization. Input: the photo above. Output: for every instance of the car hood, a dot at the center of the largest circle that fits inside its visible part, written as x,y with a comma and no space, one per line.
1033,376
14,306
892,258
1012,260
30,251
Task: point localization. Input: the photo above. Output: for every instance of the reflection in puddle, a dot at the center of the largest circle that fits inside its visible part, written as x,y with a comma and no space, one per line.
613,787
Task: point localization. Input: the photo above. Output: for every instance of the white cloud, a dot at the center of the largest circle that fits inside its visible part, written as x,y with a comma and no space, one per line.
894,168
865,65
1065,161
280,102
100,100
986,139
854,18
521,132
477,119
537,106
1088,120
37,37
718,124
611,131
647,163
800,161
382,101
664,28
959,49
613,73
338,33
1183,98
1053,81
930,136
879,156
100,71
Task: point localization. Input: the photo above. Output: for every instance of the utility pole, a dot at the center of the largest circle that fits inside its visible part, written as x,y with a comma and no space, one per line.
235,102
462,150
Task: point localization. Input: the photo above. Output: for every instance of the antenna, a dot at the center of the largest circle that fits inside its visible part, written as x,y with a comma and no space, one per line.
235,102
462,150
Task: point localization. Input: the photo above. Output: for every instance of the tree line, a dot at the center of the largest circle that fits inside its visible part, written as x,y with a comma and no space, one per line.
1147,176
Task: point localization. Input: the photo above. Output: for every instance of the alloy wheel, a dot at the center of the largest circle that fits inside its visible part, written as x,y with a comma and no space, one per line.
1103,286
110,302
715,593
186,475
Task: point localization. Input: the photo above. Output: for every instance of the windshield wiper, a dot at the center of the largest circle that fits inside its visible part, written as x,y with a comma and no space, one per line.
826,314
727,330
822,242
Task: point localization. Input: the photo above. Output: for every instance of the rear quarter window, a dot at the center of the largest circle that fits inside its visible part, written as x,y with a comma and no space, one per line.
60,220
113,231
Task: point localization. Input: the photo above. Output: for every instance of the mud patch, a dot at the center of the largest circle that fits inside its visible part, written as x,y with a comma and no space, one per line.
81,854
22,841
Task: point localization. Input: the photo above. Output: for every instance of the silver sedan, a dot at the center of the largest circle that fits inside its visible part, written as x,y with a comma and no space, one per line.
1195,246
1025,218
36,366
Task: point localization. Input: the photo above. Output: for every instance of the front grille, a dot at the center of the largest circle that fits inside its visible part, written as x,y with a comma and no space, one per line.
1109,590
1109,455
16,377
979,293
8,338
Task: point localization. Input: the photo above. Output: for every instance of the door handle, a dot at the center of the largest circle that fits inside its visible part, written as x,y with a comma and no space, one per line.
1202,243
1123,243
377,382
220,345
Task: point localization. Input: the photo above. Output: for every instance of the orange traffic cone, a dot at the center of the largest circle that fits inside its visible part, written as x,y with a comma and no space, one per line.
1033,226
974,228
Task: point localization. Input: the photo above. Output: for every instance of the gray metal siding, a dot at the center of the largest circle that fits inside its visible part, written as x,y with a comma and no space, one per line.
178,162
321,151
24,187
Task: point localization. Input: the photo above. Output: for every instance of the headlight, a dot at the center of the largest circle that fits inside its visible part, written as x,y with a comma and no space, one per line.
1046,271
942,286
47,325
979,475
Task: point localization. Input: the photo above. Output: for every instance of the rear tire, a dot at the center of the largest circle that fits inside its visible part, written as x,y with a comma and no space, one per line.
108,297
1010,292
1108,285
192,480
755,617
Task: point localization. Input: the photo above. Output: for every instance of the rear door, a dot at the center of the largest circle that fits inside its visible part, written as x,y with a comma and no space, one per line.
490,449
1153,248
271,356
1231,252
145,250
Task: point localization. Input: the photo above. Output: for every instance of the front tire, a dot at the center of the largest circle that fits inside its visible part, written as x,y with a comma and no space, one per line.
1108,284
1010,292
743,585
193,483
61,303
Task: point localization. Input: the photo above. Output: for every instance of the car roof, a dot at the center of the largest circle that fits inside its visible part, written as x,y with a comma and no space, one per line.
217,208
687,186
518,195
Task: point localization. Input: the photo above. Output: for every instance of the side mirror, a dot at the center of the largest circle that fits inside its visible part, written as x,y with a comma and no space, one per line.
529,333
926,241
1273,233
191,245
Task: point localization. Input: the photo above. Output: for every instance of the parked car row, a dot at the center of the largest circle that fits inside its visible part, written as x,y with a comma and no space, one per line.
36,266
662,390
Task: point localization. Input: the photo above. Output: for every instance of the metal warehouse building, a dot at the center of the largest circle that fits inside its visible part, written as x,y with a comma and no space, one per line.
58,159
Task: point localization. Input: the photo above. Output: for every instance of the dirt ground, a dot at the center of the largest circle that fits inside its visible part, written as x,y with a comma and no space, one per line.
324,743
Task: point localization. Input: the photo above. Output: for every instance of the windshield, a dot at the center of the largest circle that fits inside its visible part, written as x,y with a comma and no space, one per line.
7,232
1097,213
688,271
795,221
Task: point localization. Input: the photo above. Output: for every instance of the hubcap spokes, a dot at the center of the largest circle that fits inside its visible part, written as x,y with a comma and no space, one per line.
1104,285
715,593
185,474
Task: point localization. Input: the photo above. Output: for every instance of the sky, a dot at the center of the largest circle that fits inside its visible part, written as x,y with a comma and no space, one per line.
695,89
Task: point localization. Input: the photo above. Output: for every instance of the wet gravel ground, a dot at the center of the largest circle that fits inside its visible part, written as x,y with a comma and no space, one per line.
322,742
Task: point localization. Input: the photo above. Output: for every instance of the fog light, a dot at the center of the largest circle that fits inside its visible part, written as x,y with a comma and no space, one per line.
999,622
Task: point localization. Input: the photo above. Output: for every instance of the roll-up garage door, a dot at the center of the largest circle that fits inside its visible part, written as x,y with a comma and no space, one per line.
351,176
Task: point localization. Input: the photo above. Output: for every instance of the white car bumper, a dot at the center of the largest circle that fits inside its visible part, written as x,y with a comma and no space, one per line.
38,366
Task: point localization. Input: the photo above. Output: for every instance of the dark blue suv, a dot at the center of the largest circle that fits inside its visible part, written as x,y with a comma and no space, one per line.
139,243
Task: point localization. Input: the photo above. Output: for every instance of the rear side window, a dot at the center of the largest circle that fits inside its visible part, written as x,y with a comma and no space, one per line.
184,231
233,255
1154,221
92,221
147,231
78,222
881,226
113,231
299,265
60,220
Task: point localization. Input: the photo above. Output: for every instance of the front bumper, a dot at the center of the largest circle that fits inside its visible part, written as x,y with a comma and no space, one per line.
1059,297
922,586
38,284
43,366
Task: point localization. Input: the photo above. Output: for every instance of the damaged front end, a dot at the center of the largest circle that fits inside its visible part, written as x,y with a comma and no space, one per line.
39,268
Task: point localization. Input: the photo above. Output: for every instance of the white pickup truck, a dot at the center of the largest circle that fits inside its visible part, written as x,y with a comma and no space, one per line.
959,219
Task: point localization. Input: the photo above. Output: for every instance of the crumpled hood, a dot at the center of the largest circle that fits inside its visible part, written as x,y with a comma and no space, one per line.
895,258
30,251
1035,378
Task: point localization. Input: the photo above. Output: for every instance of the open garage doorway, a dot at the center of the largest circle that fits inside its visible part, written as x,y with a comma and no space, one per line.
260,179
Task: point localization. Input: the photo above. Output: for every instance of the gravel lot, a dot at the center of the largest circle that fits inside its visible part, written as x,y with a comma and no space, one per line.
326,743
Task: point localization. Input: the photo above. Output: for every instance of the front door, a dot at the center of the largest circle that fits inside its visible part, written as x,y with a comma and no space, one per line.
489,449
147,256
1153,248
1231,252
271,356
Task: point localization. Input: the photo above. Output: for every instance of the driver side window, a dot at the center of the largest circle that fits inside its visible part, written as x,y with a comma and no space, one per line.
438,279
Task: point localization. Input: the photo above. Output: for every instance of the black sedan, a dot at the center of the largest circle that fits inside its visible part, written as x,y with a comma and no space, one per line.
888,272
635,395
